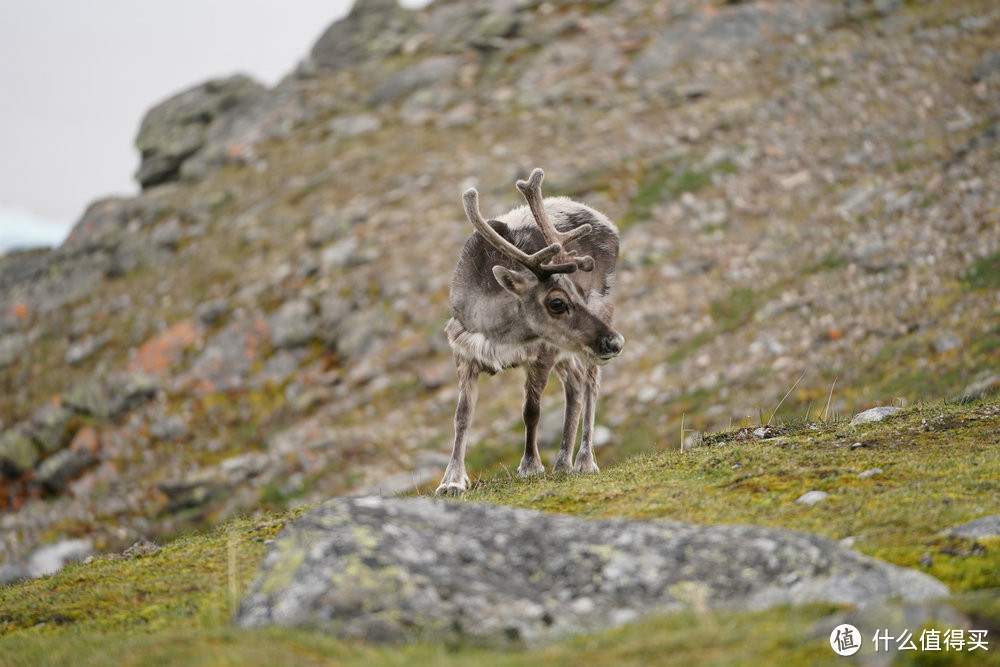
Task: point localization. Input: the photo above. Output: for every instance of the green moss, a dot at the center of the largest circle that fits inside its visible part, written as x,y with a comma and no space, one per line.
832,260
660,183
983,274
735,310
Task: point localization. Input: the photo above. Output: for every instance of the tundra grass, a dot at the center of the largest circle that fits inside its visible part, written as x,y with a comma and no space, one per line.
940,467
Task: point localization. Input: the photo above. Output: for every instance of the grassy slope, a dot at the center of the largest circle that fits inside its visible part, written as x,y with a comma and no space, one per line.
940,463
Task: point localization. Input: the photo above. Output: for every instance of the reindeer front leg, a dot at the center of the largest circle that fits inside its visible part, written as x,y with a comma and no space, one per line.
585,457
572,381
455,480
534,385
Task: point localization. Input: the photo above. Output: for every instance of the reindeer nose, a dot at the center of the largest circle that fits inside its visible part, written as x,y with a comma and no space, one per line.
611,346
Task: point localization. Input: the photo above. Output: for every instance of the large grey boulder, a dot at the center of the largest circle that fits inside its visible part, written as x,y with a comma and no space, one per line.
372,29
177,128
389,569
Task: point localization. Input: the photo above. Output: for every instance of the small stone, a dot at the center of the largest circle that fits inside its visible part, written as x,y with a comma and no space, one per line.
947,342
280,367
118,394
359,331
811,497
87,398
858,445
184,494
648,394
339,255
11,349
496,25
870,473
874,415
141,548
294,324
50,427
988,65
168,234
56,471
128,390
987,526
326,228
18,454
210,312
926,560
81,351
172,428
436,374
355,125
605,436
762,432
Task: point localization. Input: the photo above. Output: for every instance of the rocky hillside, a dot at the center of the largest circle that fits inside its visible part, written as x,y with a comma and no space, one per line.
807,192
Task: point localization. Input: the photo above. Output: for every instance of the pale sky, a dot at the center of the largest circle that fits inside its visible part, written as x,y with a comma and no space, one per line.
76,77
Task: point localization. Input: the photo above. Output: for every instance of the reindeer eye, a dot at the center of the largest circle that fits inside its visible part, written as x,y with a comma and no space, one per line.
557,306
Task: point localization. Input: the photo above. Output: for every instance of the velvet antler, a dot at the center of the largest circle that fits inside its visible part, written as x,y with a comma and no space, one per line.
532,191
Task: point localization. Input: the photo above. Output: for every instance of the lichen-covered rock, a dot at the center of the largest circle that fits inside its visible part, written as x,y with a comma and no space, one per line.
100,226
18,454
81,351
50,426
208,484
392,569
177,128
373,28
112,396
87,398
293,324
19,266
57,470
439,70
228,357
727,32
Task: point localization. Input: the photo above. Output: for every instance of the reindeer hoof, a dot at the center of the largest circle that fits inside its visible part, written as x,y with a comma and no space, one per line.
453,489
530,469
562,464
586,467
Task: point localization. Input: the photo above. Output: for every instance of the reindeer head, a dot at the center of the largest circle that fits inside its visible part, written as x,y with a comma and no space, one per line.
554,305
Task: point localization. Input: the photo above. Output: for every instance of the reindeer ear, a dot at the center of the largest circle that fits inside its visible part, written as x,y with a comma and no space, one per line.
516,282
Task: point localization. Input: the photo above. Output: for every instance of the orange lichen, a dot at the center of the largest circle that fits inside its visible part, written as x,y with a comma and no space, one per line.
161,352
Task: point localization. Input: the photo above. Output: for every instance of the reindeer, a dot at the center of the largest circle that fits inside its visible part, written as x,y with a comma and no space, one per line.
532,288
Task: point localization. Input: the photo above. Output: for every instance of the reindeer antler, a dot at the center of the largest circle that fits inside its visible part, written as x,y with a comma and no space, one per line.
532,191
533,262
